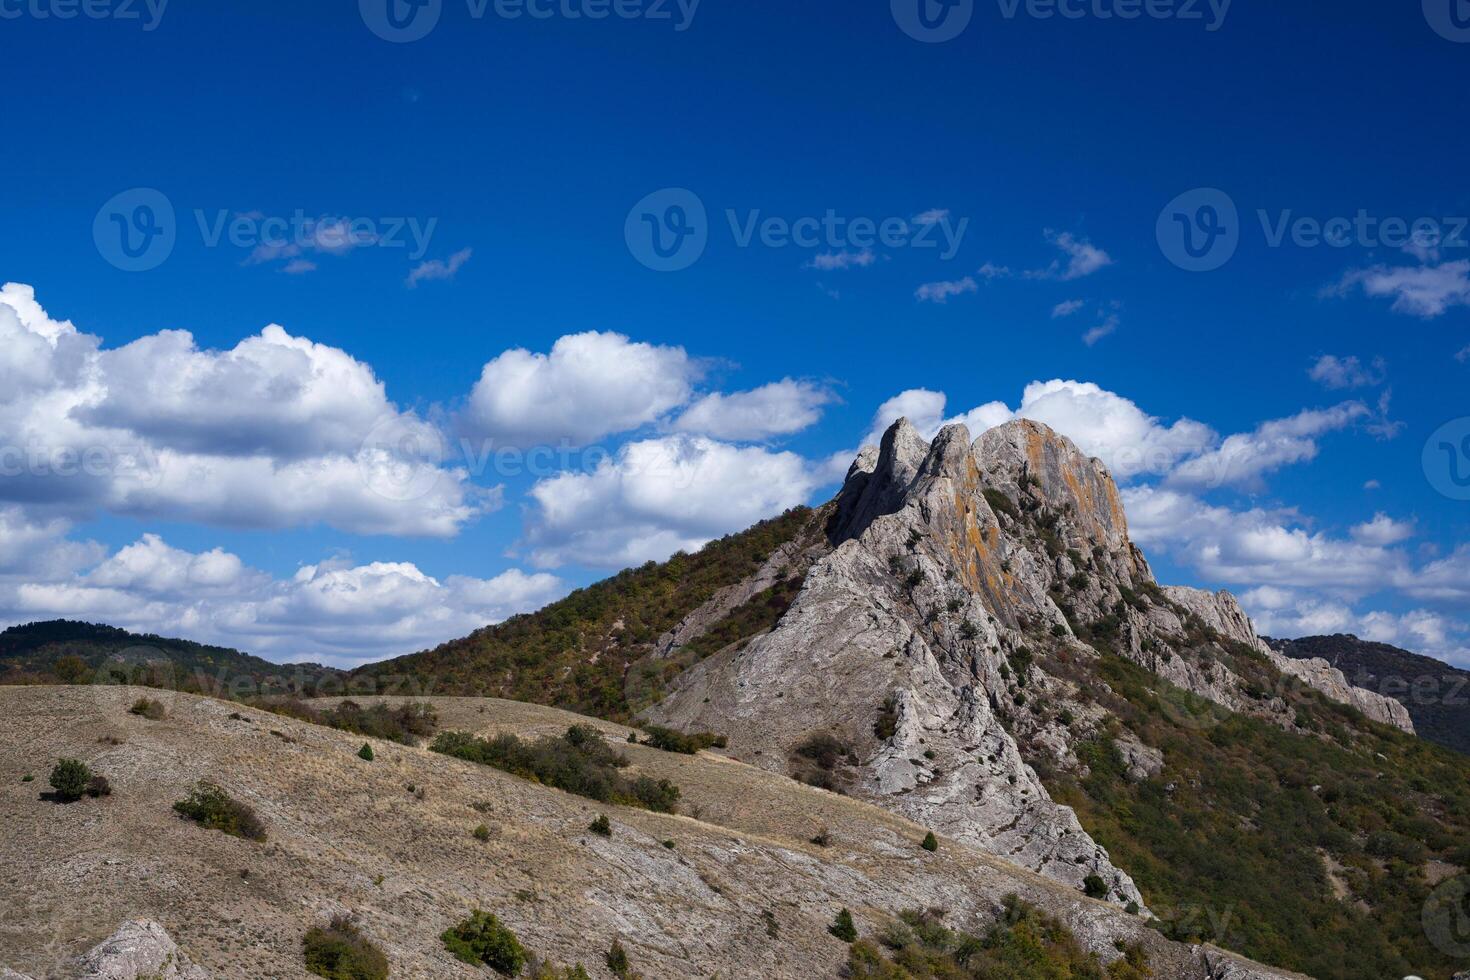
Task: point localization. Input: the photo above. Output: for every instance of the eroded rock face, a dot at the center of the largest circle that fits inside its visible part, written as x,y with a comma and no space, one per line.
1222,612
897,645
909,642
139,950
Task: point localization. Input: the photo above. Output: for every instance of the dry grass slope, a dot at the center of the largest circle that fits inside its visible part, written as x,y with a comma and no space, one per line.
350,836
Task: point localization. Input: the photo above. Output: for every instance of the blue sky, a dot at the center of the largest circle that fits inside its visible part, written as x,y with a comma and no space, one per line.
481,190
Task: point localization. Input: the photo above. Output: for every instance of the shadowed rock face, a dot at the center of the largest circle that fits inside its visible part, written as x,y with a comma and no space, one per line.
906,640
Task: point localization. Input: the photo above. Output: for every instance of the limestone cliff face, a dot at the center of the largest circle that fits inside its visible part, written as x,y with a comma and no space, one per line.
1222,612
912,642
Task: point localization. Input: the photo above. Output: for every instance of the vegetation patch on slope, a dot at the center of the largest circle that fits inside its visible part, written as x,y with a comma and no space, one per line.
1224,842
402,723
579,762
575,653
66,652
1025,944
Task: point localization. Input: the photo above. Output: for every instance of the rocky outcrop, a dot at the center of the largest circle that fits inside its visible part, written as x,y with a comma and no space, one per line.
1324,677
900,640
139,950
911,643
1222,613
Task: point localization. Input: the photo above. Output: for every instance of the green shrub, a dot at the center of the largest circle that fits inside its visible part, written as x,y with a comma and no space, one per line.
1094,887
825,750
70,779
28,778
602,827
668,740
149,708
931,843
843,927
482,939
1024,945
579,762
1001,504
887,724
404,723
617,961
209,805
341,952
366,752
481,833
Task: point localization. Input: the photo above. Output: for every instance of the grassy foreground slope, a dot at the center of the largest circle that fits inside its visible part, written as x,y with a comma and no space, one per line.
742,892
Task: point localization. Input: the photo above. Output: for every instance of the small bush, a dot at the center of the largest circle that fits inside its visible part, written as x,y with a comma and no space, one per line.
209,805
28,779
482,939
70,779
579,762
148,708
1094,887
668,740
823,749
1001,504
602,827
405,724
617,961
482,833
931,843
366,752
843,928
341,952
823,838
887,724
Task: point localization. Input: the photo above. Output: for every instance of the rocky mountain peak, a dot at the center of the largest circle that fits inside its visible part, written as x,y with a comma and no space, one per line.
954,567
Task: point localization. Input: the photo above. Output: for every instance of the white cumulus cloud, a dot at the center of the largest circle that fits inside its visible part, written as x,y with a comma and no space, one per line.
590,385
658,496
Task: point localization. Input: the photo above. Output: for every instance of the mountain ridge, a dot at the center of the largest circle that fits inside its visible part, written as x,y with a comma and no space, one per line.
1435,694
